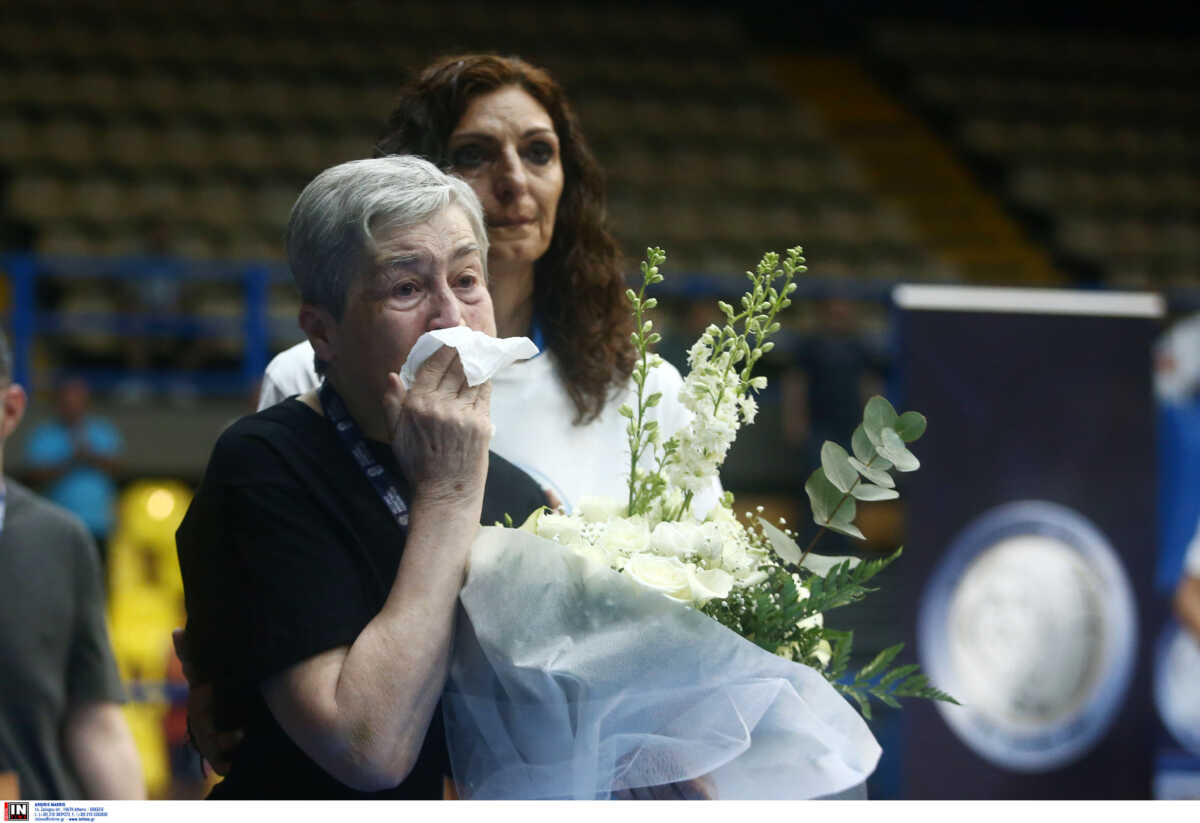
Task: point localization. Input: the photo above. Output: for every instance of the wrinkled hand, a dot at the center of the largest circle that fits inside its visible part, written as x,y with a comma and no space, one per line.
440,428
699,788
217,747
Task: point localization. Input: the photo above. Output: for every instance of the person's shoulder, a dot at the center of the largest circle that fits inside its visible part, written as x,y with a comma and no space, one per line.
47,434
24,507
290,372
292,364
257,436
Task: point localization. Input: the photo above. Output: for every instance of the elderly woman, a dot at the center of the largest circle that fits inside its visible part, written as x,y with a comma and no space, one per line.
324,551
505,127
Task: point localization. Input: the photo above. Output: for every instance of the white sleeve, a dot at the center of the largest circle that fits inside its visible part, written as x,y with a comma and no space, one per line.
289,372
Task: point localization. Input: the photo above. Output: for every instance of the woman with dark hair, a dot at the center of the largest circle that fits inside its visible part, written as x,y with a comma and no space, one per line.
506,128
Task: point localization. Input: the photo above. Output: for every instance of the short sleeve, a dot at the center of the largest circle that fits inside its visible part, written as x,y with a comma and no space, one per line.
92,670
272,574
290,372
271,393
306,581
48,445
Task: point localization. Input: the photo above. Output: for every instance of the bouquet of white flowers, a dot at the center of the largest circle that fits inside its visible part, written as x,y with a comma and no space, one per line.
632,644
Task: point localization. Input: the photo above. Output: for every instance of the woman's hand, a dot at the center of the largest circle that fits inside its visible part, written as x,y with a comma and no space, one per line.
440,429
216,747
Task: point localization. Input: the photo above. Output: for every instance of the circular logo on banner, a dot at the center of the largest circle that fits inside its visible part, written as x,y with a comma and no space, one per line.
1176,673
1029,621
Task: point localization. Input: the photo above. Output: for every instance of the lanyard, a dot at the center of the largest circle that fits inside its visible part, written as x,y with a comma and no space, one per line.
352,438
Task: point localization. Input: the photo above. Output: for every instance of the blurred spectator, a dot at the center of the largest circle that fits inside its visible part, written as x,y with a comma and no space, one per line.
682,321
61,728
835,371
72,458
1177,362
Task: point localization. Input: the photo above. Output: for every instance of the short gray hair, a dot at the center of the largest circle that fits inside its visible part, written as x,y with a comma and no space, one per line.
330,231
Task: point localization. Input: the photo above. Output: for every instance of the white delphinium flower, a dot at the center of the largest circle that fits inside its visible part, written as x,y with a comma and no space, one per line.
710,393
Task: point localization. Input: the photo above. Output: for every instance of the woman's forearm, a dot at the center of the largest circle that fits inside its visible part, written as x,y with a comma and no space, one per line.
362,712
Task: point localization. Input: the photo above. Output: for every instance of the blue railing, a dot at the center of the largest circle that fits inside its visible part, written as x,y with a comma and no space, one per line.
26,322
254,327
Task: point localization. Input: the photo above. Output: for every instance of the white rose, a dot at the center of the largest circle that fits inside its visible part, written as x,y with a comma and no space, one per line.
678,539
600,509
710,583
663,574
593,556
564,528
624,537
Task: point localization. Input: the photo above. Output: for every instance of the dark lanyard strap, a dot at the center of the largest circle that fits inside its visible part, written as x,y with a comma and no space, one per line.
352,438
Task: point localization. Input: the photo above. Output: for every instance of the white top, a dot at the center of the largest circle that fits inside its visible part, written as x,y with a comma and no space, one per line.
534,415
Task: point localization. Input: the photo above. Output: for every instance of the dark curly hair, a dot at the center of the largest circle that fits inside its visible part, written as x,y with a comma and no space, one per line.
579,290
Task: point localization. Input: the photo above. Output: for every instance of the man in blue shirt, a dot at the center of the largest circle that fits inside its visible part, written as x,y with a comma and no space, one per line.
71,459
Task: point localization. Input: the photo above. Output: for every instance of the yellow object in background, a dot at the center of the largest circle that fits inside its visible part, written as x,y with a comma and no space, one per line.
145,604
142,547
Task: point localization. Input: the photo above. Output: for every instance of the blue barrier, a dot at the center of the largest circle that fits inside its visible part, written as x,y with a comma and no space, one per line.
26,322
254,328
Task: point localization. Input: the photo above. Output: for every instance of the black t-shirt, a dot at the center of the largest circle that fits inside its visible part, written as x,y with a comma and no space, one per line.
288,551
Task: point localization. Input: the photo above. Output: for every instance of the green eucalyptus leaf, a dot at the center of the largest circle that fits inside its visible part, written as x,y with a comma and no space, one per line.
822,495
836,464
865,491
846,528
781,543
864,450
893,448
878,415
876,476
910,426
846,509
820,564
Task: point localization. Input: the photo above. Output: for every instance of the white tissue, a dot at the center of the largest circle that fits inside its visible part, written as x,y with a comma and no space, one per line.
482,355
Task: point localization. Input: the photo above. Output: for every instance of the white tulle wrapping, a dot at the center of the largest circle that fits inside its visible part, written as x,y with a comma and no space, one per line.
571,681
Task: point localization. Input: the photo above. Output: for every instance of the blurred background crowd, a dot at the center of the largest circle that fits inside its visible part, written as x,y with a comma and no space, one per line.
150,153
